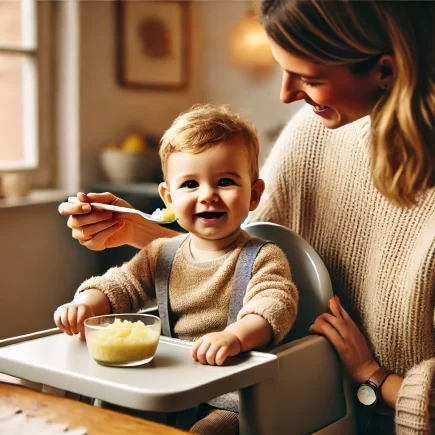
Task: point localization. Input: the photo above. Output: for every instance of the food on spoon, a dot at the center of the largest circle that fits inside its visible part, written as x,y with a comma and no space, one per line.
164,215
122,342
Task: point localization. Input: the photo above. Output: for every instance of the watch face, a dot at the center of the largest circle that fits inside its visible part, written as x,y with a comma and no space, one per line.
366,394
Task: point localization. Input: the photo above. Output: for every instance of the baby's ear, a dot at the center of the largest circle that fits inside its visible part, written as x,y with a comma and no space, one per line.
165,194
256,192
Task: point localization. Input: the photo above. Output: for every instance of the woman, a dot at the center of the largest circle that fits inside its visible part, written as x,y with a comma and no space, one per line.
362,195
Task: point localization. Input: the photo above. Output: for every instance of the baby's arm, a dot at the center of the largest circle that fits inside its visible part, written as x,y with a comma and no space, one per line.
269,310
70,317
271,293
250,332
120,290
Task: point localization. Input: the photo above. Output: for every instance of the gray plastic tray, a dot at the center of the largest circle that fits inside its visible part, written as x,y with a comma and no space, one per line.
173,381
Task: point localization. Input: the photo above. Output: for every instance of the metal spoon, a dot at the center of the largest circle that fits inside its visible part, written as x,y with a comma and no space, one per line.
115,208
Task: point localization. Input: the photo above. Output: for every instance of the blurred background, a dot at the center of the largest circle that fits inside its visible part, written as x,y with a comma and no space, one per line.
87,88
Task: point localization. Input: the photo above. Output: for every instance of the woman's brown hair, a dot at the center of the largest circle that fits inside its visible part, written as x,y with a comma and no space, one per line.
354,34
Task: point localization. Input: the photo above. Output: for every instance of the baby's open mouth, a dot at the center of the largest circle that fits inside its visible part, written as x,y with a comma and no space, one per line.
210,214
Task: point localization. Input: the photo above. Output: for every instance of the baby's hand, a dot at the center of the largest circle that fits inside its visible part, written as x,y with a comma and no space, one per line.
214,348
70,318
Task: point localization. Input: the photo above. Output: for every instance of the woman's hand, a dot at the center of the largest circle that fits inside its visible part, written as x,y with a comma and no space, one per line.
347,339
99,229
214,348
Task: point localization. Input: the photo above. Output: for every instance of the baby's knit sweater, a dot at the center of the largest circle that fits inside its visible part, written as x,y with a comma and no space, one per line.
381,258
199,292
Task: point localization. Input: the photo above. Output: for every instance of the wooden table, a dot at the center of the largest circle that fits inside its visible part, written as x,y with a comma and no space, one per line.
75,414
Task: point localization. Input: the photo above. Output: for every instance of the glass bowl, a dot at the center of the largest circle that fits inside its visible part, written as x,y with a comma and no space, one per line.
122,340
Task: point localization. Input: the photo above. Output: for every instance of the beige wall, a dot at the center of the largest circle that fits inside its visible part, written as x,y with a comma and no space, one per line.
40,267
108,112
255,97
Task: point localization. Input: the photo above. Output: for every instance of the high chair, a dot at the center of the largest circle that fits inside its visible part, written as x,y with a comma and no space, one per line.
311,394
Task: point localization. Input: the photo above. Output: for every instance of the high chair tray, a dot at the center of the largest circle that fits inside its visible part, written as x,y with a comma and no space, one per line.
172,381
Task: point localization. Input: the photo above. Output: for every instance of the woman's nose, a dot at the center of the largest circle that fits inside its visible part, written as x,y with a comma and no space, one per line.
208,194
290,92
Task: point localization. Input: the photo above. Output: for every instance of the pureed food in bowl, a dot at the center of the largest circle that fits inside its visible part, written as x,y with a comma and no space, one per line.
123,340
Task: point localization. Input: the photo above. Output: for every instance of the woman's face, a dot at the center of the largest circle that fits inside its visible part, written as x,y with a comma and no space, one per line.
337,96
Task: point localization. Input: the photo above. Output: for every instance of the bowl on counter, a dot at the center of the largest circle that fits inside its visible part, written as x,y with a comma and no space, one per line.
122,340
124,167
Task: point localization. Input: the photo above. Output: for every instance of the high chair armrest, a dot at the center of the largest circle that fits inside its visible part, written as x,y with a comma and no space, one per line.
307,395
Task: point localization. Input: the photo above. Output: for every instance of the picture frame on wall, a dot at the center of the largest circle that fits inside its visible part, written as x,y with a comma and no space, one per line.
152,44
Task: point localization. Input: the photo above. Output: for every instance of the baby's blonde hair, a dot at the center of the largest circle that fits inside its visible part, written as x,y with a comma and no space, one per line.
204,126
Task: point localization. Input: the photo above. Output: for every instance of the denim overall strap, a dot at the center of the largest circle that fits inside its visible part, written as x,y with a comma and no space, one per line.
163,272
242,275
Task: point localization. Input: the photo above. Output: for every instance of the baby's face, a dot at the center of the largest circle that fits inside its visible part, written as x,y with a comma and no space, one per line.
210,192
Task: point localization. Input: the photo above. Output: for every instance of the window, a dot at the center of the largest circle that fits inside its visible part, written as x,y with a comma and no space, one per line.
19,85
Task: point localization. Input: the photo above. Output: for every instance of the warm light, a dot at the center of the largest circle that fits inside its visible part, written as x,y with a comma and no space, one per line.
250,46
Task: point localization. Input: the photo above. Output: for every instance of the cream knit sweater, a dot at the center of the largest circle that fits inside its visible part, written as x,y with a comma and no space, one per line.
199,292
381,258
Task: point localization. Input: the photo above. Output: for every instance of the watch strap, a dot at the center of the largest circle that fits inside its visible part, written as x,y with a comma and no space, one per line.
378,377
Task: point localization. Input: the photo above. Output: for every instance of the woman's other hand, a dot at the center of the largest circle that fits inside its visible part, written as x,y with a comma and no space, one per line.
347,339
98,229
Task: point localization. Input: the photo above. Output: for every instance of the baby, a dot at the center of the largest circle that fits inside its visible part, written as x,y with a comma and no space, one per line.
216,286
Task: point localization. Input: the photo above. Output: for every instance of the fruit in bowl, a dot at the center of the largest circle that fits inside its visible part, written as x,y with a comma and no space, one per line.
134,143
134,159
122,340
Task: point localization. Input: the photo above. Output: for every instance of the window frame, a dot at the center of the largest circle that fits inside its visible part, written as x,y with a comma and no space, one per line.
35,48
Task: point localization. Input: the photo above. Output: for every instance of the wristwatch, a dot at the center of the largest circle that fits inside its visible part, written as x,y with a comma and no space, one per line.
368,392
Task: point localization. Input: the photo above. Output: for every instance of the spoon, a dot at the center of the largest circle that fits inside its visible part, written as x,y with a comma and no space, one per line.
115,208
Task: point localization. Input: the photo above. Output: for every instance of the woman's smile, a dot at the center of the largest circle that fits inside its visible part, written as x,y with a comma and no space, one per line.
324,111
